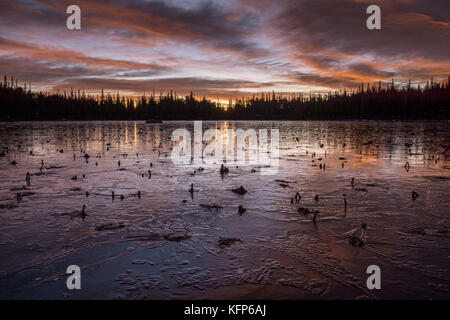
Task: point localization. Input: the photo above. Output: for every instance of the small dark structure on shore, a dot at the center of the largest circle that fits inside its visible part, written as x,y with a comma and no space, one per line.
153,121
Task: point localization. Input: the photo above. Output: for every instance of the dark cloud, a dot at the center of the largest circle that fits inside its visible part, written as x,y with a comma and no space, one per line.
368,70
323,80
42,72
340,26
438,10
206,24
44,63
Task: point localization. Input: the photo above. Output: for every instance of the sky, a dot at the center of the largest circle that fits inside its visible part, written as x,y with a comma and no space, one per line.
222,49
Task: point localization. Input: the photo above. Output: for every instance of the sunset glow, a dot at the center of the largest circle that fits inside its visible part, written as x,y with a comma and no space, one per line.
221,49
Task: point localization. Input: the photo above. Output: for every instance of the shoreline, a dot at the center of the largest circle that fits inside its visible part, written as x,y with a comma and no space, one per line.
232,120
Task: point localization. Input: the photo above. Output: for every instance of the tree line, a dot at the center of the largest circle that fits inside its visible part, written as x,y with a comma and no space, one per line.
369,101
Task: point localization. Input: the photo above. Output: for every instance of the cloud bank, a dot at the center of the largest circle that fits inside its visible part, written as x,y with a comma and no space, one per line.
222,48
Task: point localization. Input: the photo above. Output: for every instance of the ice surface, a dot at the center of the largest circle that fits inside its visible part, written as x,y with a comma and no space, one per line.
165,243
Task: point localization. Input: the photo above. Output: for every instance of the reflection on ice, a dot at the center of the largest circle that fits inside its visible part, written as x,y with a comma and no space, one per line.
107,196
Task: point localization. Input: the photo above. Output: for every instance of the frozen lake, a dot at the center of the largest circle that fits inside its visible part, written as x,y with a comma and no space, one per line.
126,247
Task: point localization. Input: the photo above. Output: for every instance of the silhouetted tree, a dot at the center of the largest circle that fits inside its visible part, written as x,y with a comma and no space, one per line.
368,102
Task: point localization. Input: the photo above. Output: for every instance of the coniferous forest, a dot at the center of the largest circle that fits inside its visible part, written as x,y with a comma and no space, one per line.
370,101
